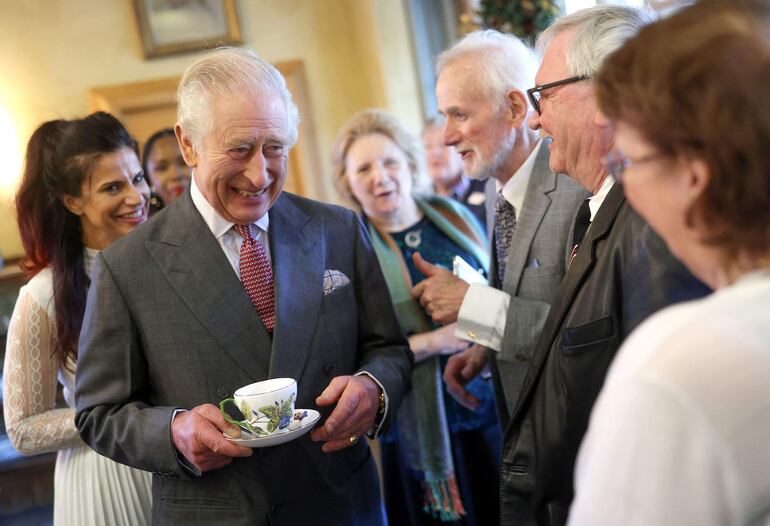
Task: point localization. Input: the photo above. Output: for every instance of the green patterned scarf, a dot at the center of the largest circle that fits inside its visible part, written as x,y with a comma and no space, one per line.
423,432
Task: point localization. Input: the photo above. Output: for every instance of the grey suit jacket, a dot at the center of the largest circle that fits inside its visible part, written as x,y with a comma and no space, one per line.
535,267
168,325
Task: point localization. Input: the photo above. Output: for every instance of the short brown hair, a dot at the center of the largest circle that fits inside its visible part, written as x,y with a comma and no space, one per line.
367,122
697,84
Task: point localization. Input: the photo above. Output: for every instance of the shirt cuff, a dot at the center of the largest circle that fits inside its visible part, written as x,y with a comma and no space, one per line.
379,420
482,316
186,464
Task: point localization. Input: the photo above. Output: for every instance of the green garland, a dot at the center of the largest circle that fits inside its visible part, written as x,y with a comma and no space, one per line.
524,18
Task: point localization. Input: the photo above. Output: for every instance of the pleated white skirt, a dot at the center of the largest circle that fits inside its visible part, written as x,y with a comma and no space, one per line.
90,489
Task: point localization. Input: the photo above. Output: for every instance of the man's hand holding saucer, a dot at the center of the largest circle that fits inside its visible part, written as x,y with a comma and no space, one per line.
197,435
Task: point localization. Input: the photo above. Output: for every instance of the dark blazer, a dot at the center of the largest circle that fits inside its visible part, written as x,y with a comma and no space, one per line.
622,274
169,325
535,267
475,198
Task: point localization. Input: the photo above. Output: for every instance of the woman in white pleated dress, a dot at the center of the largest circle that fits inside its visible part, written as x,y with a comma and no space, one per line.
82,189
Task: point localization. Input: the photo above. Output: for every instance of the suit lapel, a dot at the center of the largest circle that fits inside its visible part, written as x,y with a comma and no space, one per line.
542,181
576,275
298,265
197,269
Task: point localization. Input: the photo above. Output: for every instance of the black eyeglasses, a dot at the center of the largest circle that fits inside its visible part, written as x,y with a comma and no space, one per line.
616,163
534,93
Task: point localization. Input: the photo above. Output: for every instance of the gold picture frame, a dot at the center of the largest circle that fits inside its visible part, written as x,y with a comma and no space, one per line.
169,27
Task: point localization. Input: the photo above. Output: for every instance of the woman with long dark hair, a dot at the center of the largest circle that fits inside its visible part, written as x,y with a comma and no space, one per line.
82,188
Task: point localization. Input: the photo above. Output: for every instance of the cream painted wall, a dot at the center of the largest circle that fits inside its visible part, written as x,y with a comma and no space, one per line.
357,54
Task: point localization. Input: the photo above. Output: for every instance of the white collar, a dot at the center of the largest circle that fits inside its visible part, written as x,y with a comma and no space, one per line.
516,187
89,258
596,200
218,225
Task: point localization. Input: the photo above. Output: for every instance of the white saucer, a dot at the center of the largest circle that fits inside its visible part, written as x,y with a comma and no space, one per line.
280,438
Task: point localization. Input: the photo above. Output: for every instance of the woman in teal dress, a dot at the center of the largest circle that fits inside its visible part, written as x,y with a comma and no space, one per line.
440,460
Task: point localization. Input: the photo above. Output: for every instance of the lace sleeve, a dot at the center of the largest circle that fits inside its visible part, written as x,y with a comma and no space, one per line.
29,384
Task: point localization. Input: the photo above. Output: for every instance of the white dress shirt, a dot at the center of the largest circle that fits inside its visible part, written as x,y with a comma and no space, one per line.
596,200
483,313
228,239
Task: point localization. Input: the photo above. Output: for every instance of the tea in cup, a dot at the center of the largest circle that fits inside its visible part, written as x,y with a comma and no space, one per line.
267,407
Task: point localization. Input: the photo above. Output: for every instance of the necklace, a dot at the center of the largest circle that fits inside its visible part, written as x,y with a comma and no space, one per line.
413,238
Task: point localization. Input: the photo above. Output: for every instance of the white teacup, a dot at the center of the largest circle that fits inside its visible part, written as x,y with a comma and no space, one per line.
268,406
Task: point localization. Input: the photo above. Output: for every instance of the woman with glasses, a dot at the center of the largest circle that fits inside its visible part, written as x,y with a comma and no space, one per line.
681,431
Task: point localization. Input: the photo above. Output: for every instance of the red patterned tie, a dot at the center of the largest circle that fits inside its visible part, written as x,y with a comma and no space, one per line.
257,276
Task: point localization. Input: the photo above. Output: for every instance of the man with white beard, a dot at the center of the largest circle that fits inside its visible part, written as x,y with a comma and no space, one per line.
481,91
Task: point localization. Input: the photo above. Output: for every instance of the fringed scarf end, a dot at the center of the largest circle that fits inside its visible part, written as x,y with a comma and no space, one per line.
441,498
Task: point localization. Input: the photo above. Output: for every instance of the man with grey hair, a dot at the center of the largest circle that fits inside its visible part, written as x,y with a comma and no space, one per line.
481,89
620,272
234,283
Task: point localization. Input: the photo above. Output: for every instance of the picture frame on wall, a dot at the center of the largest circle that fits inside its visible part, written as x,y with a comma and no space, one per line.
168,27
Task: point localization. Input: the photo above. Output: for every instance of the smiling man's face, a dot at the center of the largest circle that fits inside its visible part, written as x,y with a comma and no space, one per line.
240,167
568,119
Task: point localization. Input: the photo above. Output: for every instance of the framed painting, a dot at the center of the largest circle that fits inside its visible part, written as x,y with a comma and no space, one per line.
175,26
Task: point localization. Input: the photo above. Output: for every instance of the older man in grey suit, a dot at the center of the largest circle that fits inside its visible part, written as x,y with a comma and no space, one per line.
481,89
170,327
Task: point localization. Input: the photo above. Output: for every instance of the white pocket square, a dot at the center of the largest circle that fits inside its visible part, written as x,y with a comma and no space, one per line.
333,280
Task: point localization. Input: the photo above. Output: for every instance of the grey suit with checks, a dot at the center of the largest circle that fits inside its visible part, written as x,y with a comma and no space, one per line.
169,325
535,266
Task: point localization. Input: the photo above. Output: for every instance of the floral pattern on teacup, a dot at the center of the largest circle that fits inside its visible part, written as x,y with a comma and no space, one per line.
271,417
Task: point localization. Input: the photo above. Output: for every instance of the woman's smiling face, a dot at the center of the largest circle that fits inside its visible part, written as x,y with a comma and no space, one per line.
379,176
167,170
113,198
